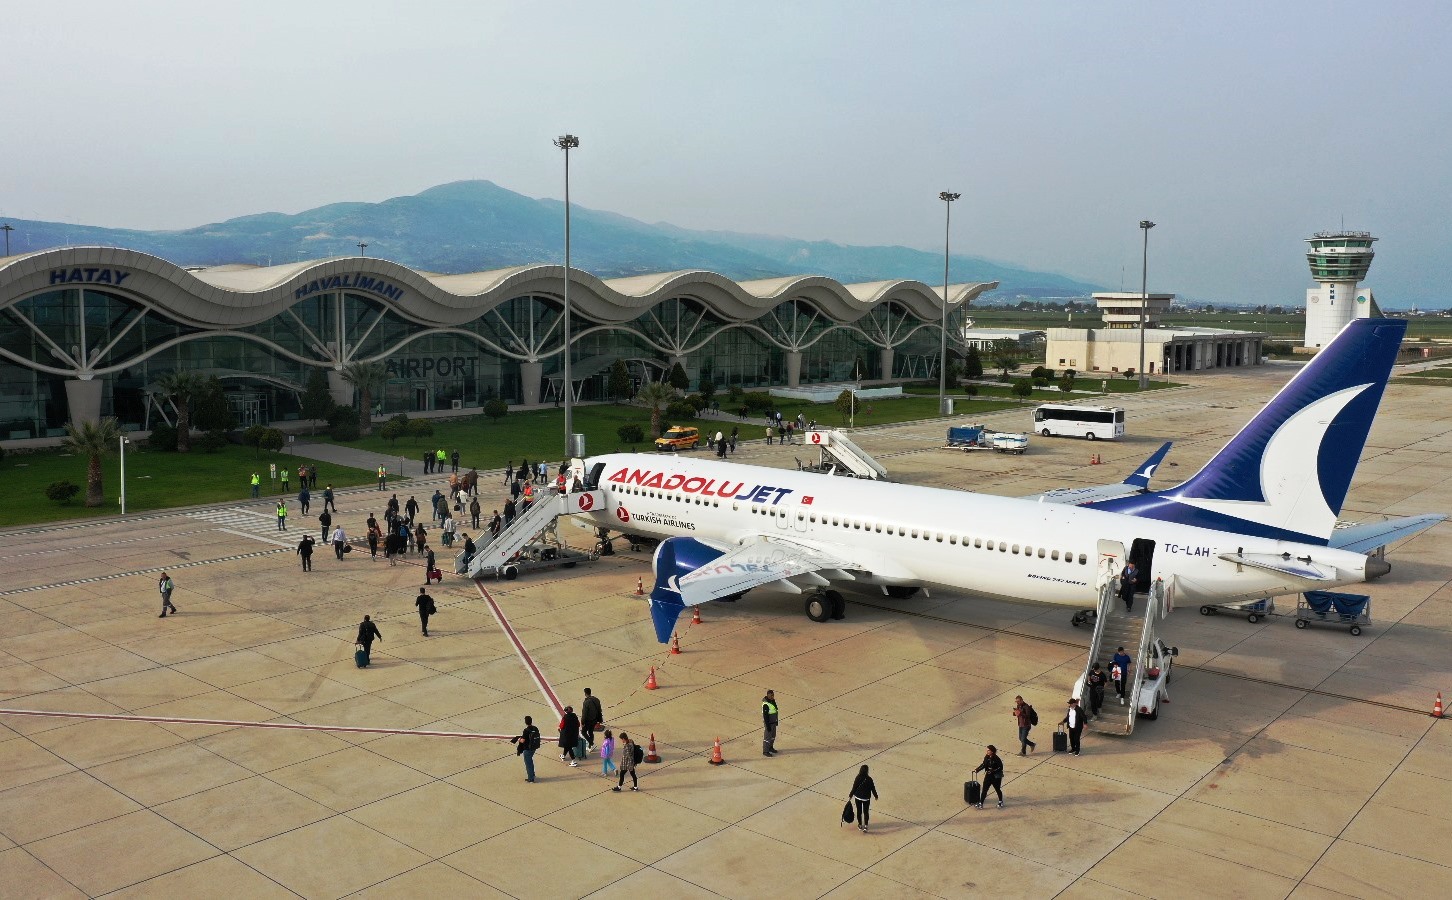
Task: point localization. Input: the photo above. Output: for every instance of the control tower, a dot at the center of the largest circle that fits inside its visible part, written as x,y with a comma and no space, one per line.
1339,261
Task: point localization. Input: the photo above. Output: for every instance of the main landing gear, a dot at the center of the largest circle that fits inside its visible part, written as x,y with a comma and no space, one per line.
824,605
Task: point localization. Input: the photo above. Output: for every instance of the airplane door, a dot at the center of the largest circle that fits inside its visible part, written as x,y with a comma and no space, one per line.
791,517
1111,560
1142,554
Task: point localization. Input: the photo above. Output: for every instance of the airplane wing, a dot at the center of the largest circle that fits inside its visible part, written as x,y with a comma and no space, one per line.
770,559
1137,483
1368,536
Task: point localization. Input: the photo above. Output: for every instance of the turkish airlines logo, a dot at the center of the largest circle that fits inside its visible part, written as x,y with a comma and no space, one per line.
586,502
816,437
622,514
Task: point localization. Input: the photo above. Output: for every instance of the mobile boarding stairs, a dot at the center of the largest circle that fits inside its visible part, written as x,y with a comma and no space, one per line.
532,540
1147,684
840,456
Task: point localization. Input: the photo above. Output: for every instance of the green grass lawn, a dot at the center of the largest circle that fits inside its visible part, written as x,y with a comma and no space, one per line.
153,481
539,434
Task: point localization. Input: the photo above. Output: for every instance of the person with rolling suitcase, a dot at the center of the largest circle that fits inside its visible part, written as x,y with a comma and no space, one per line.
992,769
1074,721
367,633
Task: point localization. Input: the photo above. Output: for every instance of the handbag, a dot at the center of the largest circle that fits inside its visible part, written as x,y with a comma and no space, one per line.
847,814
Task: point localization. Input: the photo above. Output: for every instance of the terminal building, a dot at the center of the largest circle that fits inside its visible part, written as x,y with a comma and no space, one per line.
87,331
1115,347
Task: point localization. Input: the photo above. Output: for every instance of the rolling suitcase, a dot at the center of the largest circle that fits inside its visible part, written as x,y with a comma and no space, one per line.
1061,741
582,749
972,793
360,656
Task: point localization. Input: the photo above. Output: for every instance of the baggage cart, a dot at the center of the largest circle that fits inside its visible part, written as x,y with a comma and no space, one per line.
1254,611
1349,611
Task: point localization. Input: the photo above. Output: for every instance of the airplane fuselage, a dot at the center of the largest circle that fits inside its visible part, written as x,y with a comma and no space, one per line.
912,535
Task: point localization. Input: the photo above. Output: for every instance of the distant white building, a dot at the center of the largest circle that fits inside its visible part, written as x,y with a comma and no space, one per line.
1339,261
1115,348
985,338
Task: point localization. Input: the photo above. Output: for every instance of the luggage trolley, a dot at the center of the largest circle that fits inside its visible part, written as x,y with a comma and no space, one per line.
1349,611
1253,611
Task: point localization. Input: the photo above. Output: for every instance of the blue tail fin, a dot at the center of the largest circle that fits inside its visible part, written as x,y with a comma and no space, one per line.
673,558
1141,477
1286,473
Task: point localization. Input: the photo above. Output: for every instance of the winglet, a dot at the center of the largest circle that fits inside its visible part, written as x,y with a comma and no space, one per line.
1141,478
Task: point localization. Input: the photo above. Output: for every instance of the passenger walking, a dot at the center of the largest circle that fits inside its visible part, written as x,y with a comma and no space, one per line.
430,564
992,769
165,586
474,511
628,753
525,745
1027,719
1074,720
450,526
325,522
392,546
1096,690
313,476
569,736
426,608
454,458
496,524
374,534
607,754
328,499
411,508
438,504
281,515
340,542
304,499
544,472
1119,671
305,552
367,633
864,791
428,461
420,537
769,717
591,715
509,472
393,505
469,550
769,433
256,485
1127,579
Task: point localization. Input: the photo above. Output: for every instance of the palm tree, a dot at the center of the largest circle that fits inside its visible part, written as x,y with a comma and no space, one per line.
180,388
657,395
93,440
368,378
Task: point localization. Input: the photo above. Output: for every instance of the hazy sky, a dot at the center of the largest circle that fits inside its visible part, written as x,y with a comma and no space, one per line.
1240,128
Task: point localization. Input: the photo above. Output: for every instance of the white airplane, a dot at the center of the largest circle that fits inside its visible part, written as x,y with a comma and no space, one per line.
1258,520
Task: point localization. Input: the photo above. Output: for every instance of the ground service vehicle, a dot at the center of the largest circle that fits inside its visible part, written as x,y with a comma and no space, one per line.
1095,423
679,437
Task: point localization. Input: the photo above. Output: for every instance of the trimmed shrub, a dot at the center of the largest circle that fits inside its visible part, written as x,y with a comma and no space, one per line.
1023,387
163,438
680,410
210,441
496,409
630,434
61,491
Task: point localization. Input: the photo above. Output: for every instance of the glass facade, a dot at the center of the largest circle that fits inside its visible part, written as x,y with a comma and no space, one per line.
126,341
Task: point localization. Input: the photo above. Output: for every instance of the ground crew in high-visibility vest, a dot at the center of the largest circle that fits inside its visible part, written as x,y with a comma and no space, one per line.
528,494
283,474
439,459
769,713
256,485
560,483
383,478
281,516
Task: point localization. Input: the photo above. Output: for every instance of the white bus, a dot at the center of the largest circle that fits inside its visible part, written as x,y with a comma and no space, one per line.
1096,423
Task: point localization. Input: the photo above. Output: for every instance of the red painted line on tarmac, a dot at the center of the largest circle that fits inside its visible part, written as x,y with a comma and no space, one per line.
524,657
173,720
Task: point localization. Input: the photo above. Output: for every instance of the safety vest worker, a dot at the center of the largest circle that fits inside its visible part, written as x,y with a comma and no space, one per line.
560,483
256,484
281,516
439,455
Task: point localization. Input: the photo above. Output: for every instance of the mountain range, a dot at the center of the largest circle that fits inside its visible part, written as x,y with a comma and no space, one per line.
469,226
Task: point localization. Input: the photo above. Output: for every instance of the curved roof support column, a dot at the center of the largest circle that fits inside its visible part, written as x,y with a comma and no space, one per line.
531,374
885,361
83,399
794,368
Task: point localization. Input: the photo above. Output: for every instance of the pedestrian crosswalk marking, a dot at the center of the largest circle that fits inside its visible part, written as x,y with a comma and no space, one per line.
244,523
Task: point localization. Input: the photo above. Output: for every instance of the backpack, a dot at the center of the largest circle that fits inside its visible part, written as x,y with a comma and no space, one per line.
637,755
534,739
1033,715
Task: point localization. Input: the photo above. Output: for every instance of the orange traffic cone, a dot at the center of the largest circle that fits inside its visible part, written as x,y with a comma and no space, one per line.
650,684
676,644
1437,707
650,755
716,759
639,587
695,615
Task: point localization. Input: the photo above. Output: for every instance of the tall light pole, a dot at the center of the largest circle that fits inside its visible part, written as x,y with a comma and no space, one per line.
7,228
568,142
361,247
947,197
1144,225
123,443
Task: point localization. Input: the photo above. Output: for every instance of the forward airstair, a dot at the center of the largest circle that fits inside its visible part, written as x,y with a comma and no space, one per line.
1117,627
533,538
839,455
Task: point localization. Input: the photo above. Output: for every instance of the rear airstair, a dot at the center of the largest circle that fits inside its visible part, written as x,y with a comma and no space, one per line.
532,538
843,457
1117,627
